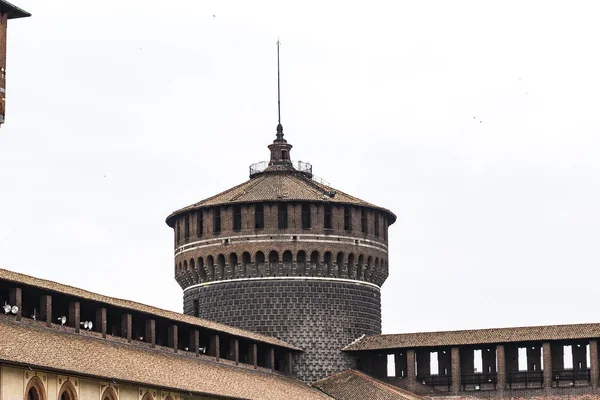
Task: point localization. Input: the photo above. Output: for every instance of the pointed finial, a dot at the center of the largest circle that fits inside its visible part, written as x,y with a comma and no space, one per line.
279,126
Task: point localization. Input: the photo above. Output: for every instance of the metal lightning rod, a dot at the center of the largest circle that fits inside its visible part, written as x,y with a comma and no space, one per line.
278,86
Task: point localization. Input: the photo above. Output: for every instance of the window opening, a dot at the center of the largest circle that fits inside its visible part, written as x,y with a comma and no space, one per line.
217,220
199,223
477,361
568,357
177,233
259,216
363,220
306,217
347,219
237,217
434,365
282,215
391,365
376,218
587,354
328,220
186,226
522,359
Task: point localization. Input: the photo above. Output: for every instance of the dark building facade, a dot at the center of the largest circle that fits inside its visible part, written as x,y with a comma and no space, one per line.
7,11
286,255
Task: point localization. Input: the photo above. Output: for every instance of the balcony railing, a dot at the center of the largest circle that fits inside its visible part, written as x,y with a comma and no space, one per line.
300,166
480,381
571,377
525,379
436,381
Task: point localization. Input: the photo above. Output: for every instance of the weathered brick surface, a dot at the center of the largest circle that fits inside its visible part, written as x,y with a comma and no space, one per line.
208,256
321,317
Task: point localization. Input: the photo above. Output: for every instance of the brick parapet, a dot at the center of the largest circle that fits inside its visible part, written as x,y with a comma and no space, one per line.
271,221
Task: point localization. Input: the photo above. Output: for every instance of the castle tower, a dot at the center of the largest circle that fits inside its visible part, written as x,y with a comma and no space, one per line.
7,11
286,255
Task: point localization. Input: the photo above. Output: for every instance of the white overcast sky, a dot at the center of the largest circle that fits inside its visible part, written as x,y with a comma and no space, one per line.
477,123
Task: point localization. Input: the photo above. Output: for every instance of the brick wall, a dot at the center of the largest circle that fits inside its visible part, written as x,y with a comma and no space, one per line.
197,255
321,317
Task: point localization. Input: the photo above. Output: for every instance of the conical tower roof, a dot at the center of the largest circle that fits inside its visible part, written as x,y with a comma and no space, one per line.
281,180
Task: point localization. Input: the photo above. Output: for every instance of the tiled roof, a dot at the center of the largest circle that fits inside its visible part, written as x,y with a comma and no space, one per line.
12,10
354,385
477,336
47,348
281,186
143,308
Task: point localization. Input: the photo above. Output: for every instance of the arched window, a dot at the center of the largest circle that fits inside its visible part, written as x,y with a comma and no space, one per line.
193,271
220,270
273,262
301,263
35,389
369,270
201,271
360,267
148,396
287,262
109,394
327,270
340,266
210,268
233,265
260,263
245,262
314,263
376,270
67,391
351,266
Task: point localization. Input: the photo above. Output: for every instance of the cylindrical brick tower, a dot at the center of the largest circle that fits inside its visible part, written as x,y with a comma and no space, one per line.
286,255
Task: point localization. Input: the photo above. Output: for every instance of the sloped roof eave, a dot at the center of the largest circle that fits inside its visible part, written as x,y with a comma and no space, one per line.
476,337
34,345
306,190
29,280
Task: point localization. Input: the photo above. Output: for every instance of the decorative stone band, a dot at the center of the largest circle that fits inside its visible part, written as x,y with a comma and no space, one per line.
287,278
278,238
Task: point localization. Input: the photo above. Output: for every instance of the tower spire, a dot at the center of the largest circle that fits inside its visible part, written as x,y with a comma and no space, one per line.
279,126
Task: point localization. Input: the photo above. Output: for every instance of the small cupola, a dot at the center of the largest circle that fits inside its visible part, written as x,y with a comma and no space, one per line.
280,149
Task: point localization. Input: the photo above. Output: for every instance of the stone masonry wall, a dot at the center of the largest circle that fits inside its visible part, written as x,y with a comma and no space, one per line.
319,316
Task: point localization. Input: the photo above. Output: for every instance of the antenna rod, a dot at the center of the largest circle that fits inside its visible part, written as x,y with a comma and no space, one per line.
278,87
